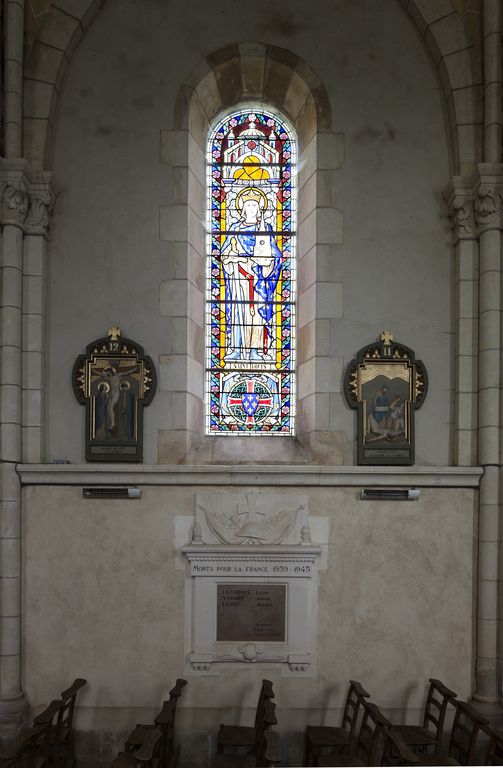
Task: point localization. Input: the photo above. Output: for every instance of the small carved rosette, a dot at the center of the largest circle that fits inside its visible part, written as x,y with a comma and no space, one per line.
385,383
114,380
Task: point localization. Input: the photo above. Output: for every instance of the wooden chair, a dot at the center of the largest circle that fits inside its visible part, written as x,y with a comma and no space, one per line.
429,734
46,725
396,751
341,737
466,727
57,719
494,753
146,756
266,752
370,739
232,736
64,754
28,750
164,722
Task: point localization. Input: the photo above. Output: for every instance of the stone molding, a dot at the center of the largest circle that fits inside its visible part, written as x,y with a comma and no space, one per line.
256,475
27,199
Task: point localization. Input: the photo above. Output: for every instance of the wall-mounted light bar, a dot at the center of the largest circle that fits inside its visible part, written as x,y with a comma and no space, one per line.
390,494
112,492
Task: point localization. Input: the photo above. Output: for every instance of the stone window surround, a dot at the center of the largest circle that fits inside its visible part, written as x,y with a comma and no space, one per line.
277,78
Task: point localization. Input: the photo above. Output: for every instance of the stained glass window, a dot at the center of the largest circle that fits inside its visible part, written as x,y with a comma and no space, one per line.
250,321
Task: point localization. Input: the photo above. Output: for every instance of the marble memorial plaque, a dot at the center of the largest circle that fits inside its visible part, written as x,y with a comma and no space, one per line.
251,612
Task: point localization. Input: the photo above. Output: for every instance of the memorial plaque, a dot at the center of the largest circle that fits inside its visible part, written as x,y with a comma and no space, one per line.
251,612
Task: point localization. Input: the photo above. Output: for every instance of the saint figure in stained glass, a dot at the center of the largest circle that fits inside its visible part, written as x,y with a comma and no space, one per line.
251,263
251,269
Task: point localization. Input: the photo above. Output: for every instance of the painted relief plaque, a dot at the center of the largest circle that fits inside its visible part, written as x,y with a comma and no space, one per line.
114,380
251,613
386,384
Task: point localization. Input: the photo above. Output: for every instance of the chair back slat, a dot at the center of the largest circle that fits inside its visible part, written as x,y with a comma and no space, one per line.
262,731
354,699
371,728
435,708
266,694
466,727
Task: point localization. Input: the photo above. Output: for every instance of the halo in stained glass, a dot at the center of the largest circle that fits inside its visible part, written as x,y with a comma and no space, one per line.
250,285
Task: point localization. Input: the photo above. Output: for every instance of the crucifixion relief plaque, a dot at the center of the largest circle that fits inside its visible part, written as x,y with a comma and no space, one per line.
114,380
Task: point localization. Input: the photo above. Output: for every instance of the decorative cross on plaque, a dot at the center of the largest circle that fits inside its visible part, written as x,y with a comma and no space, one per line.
114,380
385,383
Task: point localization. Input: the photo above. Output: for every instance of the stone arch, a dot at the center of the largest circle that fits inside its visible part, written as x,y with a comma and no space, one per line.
457,67
62,28
437,21
248,71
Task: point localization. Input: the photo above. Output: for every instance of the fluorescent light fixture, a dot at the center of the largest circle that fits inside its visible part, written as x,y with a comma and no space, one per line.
390,494
112,492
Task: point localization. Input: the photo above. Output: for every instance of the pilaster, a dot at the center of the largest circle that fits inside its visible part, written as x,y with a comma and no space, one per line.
476,210
26,201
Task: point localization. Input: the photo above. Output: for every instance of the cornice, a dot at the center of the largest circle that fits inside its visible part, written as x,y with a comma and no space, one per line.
249,475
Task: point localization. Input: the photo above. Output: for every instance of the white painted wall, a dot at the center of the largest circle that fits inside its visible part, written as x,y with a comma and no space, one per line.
104,599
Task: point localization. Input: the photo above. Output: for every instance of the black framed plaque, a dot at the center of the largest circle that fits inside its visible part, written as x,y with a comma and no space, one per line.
386,384
251,613
114,380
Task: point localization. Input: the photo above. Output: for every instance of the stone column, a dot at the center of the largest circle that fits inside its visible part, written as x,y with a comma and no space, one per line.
466,255
488,218
34,298
14,210
26,202
476,212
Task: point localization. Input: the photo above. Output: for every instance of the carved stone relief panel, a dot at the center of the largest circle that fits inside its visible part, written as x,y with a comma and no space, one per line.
252,518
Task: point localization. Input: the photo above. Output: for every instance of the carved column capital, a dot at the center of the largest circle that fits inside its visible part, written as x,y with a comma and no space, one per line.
26,198
15,202
475,204
488,196
461,216
488,206
39,213
459,199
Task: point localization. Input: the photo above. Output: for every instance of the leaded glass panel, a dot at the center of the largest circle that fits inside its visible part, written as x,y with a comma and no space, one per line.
250,322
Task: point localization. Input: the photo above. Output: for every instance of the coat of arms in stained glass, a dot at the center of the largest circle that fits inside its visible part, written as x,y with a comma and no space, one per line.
251,275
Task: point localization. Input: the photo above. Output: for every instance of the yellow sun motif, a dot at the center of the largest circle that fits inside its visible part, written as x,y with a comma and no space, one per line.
251,170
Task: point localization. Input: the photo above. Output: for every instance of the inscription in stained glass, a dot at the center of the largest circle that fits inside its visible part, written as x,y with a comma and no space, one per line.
251,276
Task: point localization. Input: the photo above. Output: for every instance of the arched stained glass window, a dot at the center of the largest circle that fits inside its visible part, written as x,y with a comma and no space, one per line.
250,322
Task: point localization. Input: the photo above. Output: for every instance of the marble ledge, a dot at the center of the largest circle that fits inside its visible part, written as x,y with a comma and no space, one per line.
246,474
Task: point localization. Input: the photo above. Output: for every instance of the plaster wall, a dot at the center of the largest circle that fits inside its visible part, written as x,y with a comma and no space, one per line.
107,262
103,599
